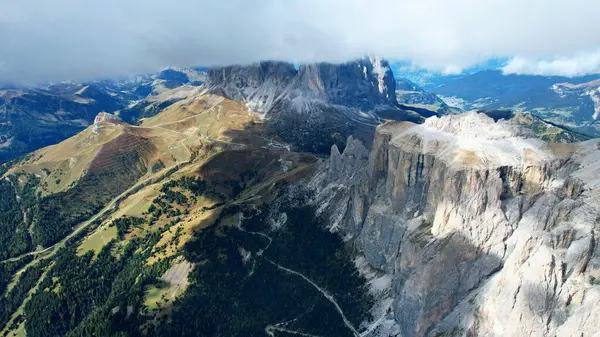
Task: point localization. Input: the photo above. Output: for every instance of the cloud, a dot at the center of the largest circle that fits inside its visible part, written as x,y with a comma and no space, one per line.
74,39
581,64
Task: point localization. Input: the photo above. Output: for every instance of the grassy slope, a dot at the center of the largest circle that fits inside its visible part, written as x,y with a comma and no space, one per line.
204,136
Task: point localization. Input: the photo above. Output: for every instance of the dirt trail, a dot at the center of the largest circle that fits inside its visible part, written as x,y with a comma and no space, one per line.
325,293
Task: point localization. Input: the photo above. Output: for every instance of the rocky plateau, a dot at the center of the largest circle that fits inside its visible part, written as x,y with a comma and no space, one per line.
482,229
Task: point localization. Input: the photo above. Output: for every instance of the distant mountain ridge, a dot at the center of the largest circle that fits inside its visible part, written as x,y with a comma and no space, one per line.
542,129
318,104
429,79
569,101
410,94
310,106
328,101
31,118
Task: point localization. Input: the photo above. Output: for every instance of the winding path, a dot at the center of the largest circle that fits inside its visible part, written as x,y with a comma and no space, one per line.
325,293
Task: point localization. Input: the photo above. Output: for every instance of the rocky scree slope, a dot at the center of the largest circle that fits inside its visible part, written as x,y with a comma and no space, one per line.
483,230
317,104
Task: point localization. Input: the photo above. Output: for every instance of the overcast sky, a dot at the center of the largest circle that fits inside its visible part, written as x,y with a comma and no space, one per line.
85,39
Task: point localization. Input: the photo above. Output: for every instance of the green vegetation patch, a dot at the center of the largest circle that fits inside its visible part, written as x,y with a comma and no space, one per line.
98,239
101,296
155,295
11,302
238,287
17,207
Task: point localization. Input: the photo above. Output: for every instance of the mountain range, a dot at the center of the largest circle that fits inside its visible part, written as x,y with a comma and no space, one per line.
571,102
279,200
31,118
318,104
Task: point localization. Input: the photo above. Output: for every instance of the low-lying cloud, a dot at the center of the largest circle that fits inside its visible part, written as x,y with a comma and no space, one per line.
74,39
577,65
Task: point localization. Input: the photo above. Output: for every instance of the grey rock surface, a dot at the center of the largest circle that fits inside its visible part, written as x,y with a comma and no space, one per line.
316,105
483,230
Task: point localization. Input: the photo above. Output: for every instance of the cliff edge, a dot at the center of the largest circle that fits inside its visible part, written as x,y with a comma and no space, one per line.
483,229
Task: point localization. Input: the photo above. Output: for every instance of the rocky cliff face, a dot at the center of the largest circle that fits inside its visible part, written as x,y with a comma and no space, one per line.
363,84
318,104
259,85
483,230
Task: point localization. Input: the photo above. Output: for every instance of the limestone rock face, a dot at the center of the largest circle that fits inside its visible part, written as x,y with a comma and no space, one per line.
319,104
483,230
105,117
258,84
362,84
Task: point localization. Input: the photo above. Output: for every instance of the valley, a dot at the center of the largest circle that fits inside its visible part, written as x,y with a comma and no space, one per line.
570,102
193,141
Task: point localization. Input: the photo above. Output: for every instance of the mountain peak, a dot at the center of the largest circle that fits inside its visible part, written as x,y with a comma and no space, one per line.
319,104
361,84
103,117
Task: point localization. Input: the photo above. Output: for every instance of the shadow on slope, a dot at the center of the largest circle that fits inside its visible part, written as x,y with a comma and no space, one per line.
443,274
117,166
237,288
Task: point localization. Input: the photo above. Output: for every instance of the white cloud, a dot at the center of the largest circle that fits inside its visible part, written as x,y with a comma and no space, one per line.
451,70
580,64
74,39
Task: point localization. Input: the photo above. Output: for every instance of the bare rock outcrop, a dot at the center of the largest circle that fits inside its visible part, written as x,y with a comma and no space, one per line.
105,119
317,104
484,230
